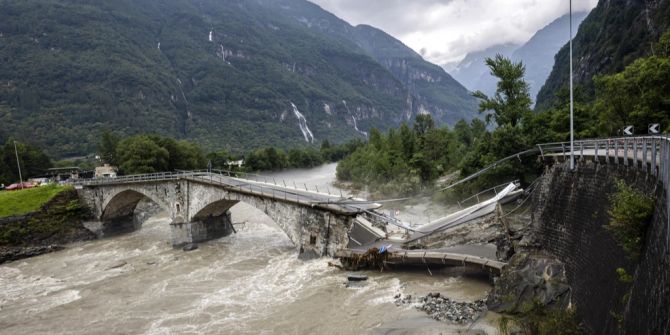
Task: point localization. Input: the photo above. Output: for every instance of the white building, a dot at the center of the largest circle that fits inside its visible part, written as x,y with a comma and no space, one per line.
105,171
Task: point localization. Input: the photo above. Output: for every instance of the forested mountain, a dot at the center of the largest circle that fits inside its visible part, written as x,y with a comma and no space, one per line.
613,35
231,74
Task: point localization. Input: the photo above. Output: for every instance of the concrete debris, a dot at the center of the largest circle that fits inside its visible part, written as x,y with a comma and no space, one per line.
444,309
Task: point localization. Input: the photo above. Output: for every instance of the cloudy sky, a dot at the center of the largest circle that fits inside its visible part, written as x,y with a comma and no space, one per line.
443,31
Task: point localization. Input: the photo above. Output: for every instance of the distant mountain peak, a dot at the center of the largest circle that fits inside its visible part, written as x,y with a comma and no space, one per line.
537,54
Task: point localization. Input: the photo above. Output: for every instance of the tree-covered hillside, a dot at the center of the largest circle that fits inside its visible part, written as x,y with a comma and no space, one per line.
611,37
430,89
225,73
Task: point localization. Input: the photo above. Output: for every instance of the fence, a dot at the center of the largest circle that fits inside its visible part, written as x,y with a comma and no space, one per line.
650,153
255,185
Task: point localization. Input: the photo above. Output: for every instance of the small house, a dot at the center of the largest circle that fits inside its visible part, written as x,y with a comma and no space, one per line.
105,171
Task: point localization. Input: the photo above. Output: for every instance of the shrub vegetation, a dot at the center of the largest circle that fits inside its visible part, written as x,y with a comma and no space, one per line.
630,213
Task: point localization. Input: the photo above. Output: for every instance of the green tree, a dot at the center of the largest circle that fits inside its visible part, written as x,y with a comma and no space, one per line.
423,123
407,141
219,159
140,154
107,147
511,112
267,159
511,102
376,139
638,96
33,161
6,175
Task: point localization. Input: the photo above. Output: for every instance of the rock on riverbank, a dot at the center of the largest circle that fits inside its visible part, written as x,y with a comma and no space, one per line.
58,222
442,308
10,254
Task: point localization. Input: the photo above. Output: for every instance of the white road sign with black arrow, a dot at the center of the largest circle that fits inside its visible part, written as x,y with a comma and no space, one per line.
628,130
654,128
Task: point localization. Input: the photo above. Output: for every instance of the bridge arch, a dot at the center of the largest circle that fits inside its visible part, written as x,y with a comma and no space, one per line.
312,230
117,211
214,209
199,209
288,217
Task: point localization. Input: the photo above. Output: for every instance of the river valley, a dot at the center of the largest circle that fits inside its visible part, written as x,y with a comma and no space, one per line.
250,282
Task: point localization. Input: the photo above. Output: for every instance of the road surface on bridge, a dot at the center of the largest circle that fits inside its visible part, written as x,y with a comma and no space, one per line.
327,201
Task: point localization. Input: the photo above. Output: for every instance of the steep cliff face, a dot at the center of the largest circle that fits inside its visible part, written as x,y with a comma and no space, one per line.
538,53
429,88
613,35
232,74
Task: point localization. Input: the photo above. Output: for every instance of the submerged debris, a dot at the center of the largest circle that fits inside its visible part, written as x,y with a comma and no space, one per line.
116,265
444,309
355,277
372,258
190,247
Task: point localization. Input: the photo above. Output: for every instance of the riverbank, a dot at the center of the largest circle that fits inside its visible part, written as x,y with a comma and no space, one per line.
56,218
247,283
22,202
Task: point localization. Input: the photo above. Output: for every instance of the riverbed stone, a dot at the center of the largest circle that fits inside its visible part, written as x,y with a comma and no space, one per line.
444,309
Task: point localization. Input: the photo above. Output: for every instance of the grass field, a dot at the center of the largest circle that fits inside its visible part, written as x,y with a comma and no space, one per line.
13,203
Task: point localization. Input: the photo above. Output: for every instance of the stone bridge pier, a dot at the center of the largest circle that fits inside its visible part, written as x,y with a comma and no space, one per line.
200,211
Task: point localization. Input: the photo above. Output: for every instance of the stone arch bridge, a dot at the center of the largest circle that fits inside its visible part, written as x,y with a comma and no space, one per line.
198,206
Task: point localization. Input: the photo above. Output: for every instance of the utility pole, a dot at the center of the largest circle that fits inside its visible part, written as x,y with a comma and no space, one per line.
572,130
16,152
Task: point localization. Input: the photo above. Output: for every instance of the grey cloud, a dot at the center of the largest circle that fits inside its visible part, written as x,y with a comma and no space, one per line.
443,31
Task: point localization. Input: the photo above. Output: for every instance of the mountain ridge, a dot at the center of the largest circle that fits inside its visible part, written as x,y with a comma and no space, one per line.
537,54
223,73
613,35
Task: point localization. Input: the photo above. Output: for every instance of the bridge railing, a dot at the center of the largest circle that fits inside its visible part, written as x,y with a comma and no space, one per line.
274,181
137,178
485,194
646,152
650,153
277,192
258,187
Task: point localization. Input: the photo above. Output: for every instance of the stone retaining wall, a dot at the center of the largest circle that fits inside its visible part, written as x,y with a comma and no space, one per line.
570,212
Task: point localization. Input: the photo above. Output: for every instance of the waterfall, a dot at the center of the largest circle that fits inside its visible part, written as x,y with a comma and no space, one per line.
364,133
302,122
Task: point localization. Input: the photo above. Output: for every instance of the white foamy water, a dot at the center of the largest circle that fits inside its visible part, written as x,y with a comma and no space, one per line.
364,133
247,283
302,123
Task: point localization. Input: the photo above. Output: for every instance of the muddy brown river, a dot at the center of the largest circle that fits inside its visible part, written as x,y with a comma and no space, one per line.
250,282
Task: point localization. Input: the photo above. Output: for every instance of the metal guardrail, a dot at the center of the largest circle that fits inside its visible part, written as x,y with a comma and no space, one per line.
647,152
491,167
269,180
650,153
254,186
478,196
136,178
